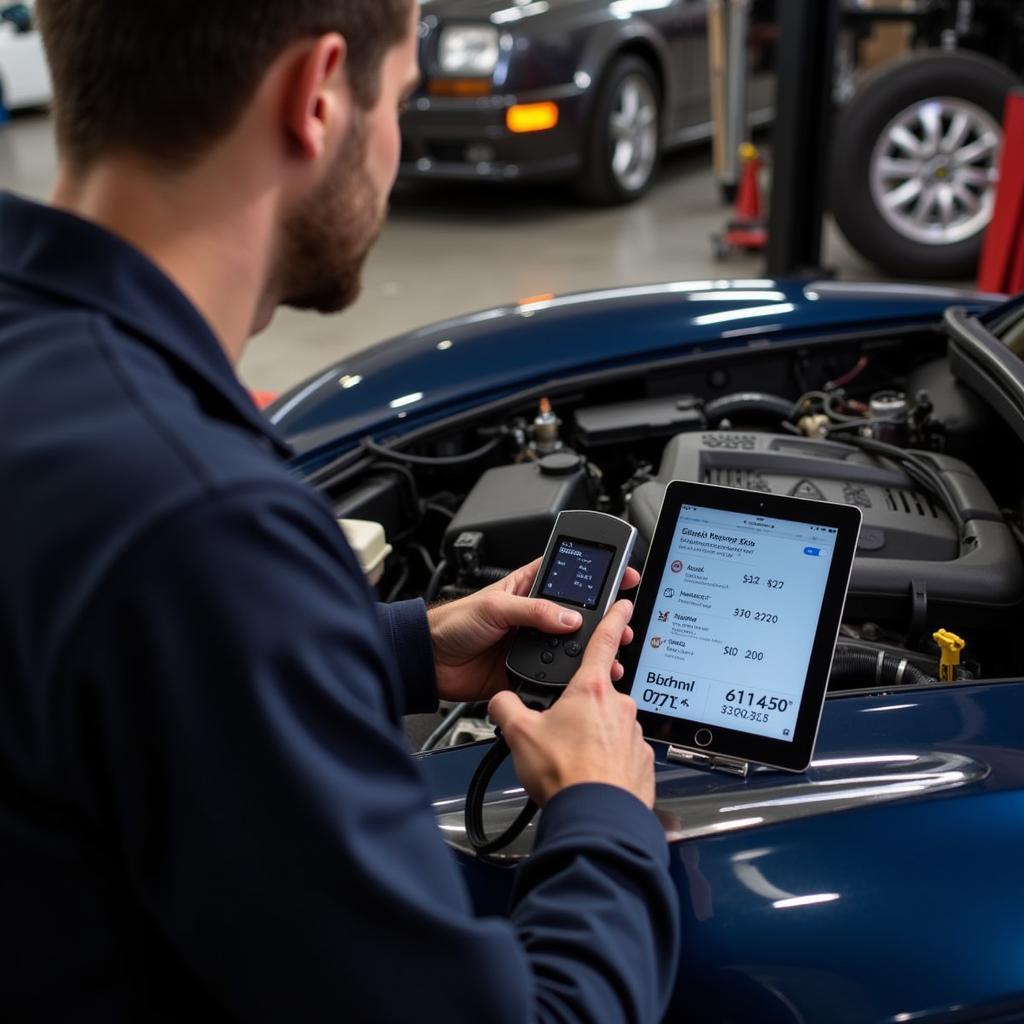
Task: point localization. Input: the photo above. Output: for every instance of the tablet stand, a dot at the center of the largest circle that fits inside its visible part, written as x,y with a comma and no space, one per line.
709,762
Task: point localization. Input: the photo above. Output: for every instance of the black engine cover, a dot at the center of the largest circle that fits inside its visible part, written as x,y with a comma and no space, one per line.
908,540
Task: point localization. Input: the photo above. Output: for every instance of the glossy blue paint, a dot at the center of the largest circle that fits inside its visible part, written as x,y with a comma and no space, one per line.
428,374
906,911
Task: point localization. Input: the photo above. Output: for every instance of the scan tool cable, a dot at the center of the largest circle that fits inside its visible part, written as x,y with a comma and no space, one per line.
475,795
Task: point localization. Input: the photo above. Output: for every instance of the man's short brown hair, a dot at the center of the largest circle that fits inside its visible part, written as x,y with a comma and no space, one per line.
168,78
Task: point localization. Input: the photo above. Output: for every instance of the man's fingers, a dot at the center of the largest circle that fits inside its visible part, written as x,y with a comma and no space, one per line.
522,579
631,579
506,710
509,610
604,644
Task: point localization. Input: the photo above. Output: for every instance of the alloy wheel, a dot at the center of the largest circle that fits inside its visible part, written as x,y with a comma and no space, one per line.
633,129
934,170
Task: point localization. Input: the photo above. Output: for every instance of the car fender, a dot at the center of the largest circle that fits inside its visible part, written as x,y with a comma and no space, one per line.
634,36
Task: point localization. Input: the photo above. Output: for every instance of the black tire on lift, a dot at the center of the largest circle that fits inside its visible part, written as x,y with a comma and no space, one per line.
597,183
895,87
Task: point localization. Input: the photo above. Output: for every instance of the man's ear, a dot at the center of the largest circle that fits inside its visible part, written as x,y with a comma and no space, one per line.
314,103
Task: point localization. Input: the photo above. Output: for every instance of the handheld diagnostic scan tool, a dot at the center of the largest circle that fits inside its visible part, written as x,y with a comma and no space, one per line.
736,622
583,565
582,568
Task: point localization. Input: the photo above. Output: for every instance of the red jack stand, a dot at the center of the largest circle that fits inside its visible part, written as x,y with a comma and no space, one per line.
747,231
1002,258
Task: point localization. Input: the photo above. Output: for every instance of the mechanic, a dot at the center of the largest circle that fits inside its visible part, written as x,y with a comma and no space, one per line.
207,808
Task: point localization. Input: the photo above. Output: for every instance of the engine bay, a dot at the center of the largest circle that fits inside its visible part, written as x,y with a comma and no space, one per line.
877,422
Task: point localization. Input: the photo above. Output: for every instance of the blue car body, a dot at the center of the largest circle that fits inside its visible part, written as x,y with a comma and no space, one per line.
904,907
421,377
883,885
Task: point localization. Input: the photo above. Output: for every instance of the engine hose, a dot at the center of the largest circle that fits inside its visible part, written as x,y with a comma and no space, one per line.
370,445
748,401
851,664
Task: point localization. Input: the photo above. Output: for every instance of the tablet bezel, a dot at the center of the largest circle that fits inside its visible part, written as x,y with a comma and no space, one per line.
734,743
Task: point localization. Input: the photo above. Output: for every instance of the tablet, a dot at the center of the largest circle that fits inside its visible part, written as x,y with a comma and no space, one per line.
736,621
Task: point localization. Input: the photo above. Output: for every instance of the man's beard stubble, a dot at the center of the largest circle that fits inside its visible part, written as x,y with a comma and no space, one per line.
326,240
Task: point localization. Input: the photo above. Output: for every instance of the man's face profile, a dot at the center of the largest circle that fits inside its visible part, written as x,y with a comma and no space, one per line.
328,236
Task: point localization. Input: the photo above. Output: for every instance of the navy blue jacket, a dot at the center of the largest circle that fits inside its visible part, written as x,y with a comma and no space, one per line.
207,809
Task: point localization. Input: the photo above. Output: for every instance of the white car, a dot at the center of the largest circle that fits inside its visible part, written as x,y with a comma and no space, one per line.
24,74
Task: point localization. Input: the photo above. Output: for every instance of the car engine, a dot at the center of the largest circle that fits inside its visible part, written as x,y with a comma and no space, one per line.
921,455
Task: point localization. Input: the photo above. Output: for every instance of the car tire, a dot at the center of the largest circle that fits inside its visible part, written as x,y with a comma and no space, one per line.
623,145
915,162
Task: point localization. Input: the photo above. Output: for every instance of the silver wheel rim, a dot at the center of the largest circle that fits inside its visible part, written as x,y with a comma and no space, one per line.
934,171
633,128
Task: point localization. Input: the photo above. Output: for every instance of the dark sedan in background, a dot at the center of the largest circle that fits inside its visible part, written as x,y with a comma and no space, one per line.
589,91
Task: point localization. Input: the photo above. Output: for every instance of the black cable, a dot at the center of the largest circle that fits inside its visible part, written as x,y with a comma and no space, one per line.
371,465
433,506
434,585
406,474
483,845
403,578
828,405
433,460
447,724
920,471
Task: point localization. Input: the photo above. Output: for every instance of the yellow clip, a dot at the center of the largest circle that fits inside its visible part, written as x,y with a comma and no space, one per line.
950,645
748,152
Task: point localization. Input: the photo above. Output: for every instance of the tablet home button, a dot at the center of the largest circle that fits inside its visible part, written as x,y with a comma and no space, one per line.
703,737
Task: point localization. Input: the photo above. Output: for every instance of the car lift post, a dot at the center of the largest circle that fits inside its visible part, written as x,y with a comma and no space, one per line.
728,31
808,30
736,108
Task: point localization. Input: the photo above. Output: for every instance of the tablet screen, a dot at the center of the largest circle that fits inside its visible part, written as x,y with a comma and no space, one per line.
734,621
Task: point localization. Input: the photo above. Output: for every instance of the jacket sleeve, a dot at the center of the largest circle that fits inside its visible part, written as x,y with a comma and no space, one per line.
246,756
406,632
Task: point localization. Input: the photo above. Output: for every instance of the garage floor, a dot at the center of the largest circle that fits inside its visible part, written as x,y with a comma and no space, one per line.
454,249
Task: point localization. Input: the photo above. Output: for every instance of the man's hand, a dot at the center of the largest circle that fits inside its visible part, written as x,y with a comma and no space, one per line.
590,734
471,637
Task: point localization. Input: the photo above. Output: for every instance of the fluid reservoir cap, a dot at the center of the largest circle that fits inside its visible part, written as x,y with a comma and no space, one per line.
872,538
560,464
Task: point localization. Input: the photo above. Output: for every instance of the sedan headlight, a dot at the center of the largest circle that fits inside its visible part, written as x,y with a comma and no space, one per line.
468,50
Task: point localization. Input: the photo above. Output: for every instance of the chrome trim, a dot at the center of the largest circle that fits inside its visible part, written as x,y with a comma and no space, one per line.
709,762
890,290
693,803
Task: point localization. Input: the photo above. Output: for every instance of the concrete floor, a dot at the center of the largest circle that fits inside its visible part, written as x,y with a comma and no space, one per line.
454,249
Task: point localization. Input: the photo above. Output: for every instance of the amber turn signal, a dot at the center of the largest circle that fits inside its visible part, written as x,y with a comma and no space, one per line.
531,117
